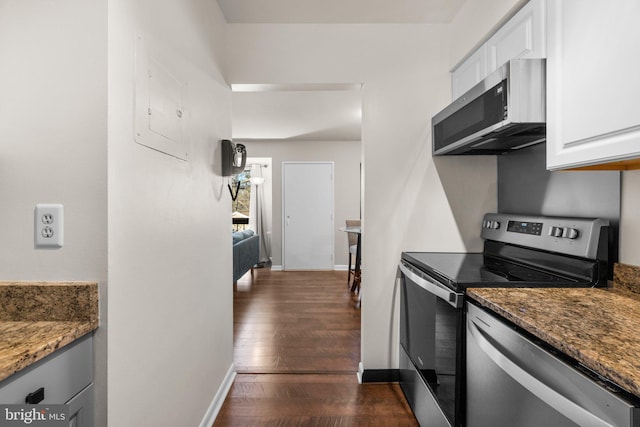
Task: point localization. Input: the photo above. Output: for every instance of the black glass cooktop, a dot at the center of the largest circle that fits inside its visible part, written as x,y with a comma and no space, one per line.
459,271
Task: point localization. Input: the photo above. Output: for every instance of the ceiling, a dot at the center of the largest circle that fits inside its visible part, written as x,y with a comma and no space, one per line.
297,112
315,112
339,11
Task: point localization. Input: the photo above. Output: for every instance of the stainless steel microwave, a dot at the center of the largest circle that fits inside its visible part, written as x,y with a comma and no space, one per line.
505,111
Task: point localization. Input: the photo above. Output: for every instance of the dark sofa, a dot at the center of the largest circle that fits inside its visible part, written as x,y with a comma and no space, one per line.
246,252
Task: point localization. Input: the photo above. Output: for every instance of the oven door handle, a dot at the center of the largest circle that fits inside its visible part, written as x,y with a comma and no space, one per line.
452,298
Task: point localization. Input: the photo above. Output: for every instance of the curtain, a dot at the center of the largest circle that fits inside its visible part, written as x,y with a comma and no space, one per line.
259,213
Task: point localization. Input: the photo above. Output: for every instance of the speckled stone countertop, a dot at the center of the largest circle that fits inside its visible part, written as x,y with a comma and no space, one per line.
37,318
626,277
597,327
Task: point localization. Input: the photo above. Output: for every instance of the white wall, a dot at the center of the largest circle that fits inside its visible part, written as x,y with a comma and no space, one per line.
346,158
170,261
404,70
53,144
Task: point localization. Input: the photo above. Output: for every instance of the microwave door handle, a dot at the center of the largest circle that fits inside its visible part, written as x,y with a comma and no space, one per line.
452,298
557,401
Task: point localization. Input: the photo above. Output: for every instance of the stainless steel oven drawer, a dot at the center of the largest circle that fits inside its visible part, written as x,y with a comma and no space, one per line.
424,405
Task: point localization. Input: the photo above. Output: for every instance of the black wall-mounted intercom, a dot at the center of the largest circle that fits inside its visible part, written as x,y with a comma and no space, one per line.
234,158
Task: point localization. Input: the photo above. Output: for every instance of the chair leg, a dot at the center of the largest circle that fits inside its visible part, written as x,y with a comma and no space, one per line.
349,272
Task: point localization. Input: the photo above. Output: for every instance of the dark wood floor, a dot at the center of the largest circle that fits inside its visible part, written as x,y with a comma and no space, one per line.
297,349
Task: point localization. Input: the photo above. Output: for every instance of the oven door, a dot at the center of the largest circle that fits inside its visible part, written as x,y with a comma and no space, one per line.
431,348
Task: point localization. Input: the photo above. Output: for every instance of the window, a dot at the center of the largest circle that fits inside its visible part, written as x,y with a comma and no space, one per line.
241,190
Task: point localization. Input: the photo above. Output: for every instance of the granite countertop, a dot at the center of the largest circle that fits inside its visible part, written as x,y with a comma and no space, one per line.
38,318
597,327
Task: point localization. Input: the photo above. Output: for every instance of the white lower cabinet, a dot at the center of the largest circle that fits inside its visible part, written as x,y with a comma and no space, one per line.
66,377
593,82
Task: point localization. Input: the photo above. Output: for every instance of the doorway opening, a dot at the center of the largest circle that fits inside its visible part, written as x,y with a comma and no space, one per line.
299,123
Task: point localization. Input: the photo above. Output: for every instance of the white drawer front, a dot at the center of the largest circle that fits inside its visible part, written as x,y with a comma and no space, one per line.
62,374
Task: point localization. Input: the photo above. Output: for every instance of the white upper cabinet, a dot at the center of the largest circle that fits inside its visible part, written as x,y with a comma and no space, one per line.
469,72
522,36
593,82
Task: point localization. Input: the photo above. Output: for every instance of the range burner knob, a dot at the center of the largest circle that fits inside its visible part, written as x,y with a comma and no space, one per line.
491,225
555,232
570,233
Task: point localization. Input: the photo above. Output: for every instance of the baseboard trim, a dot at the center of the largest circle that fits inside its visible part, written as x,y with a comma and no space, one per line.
380,376
216,404
337,267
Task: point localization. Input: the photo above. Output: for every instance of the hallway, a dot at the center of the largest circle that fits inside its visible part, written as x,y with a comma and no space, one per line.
297,349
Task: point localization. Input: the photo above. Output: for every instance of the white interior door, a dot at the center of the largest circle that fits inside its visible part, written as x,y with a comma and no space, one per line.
307,198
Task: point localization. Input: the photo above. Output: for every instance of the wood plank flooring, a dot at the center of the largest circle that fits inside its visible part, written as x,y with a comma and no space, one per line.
297,349
295,322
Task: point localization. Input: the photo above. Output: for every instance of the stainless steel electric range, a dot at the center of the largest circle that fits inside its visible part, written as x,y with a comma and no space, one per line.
519,251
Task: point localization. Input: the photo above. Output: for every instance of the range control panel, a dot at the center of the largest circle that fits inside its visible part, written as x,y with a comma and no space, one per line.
525,227
570,236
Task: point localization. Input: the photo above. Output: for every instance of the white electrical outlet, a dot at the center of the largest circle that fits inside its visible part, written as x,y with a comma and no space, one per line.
49,225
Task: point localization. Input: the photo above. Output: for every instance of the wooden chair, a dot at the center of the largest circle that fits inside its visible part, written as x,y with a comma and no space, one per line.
352,239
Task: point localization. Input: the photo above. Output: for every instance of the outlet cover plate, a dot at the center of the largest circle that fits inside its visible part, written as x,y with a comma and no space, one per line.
49,225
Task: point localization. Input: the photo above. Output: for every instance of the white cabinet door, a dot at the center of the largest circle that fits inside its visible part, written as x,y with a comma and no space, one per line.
523,36
470,72
593,82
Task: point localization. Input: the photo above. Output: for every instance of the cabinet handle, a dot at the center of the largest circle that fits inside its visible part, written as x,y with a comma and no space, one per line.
35,397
